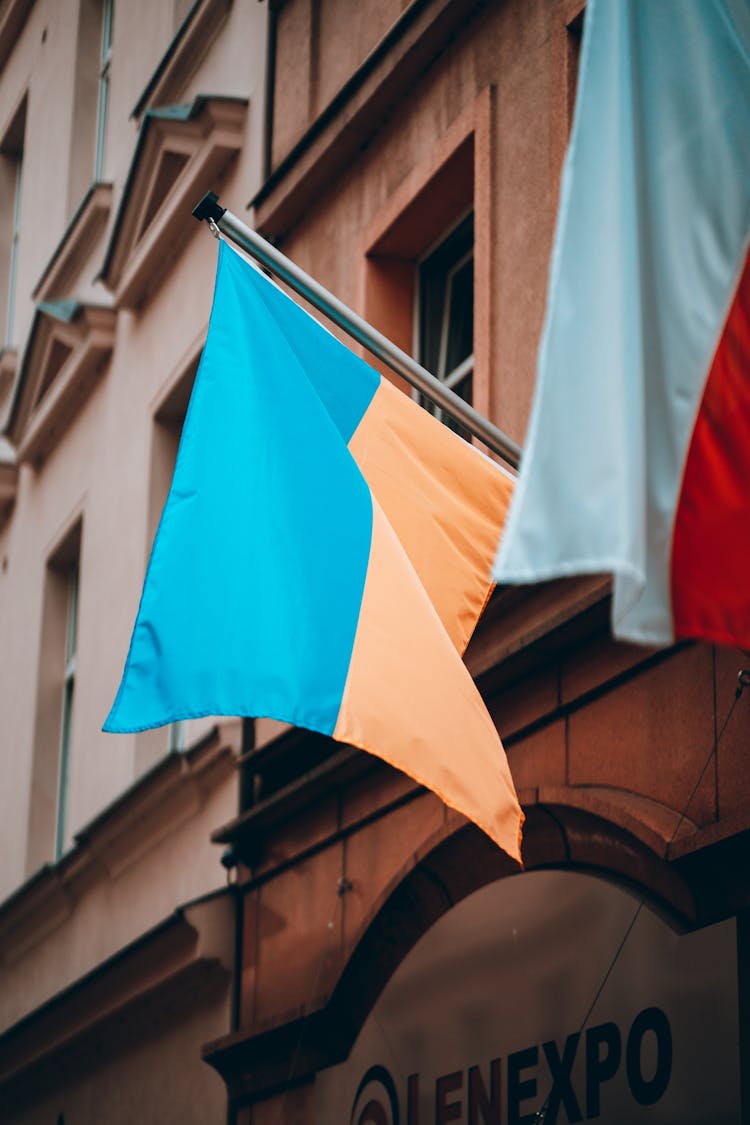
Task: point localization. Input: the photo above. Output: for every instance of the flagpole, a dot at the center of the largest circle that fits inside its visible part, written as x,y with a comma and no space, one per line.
353,324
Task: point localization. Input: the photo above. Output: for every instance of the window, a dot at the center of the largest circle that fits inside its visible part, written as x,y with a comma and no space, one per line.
91,80
446,314
13,263
105,61
56,689
11,165
429,255
168,421
68,688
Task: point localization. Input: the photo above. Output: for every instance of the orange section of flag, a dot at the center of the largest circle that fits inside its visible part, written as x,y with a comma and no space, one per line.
413,702
445,501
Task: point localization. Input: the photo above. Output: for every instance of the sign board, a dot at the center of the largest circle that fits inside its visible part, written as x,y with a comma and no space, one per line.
481,1023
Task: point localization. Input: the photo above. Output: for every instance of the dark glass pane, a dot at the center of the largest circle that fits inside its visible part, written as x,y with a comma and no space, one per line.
464,391
433,285
461,313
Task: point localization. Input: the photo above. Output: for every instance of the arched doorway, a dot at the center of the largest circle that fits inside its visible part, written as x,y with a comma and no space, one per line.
481,1022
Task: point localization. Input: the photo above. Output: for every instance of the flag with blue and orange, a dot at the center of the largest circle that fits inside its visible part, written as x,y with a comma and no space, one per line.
322,558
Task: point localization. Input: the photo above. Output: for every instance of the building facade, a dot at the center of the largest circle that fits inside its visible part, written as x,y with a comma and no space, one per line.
116,921
395,966
374,958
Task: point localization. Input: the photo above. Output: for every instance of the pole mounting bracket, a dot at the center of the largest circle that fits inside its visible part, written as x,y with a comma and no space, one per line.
209,208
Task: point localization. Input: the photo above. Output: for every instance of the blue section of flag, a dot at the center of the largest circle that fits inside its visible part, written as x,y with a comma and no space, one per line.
253,591
344,383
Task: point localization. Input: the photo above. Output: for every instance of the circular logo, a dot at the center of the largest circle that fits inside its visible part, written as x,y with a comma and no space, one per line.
376,1100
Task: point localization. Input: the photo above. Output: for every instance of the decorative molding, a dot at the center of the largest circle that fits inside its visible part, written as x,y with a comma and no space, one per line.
186,955
76,244
182,57
43,903
120,835
13,15
67,351
182,151
246,832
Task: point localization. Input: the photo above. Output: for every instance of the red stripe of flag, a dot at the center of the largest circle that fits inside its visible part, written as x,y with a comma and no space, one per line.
711,543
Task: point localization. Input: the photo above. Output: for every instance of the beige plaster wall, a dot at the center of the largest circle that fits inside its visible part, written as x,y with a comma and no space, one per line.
99,471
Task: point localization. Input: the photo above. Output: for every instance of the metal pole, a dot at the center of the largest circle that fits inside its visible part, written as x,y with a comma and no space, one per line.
353,324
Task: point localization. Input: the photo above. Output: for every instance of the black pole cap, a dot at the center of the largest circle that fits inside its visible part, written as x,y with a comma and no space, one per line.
208,208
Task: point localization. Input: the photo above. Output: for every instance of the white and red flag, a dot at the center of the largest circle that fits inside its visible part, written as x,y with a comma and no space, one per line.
637,459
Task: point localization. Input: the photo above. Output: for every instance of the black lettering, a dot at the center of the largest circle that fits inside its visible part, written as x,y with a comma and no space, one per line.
562,1091
412,1100
600,1068
647,1091
478,1100
447,1084
518,1090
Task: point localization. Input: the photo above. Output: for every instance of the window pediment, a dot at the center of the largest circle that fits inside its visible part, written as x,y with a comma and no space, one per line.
182,151
68,349
74,250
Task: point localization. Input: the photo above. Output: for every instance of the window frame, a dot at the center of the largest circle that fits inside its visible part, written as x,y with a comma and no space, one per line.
11,153
56,691
15,235
169,411
67,700
102,100
463,371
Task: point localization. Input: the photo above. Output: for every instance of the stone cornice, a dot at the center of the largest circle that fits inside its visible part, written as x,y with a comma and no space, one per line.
186,953
525,625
